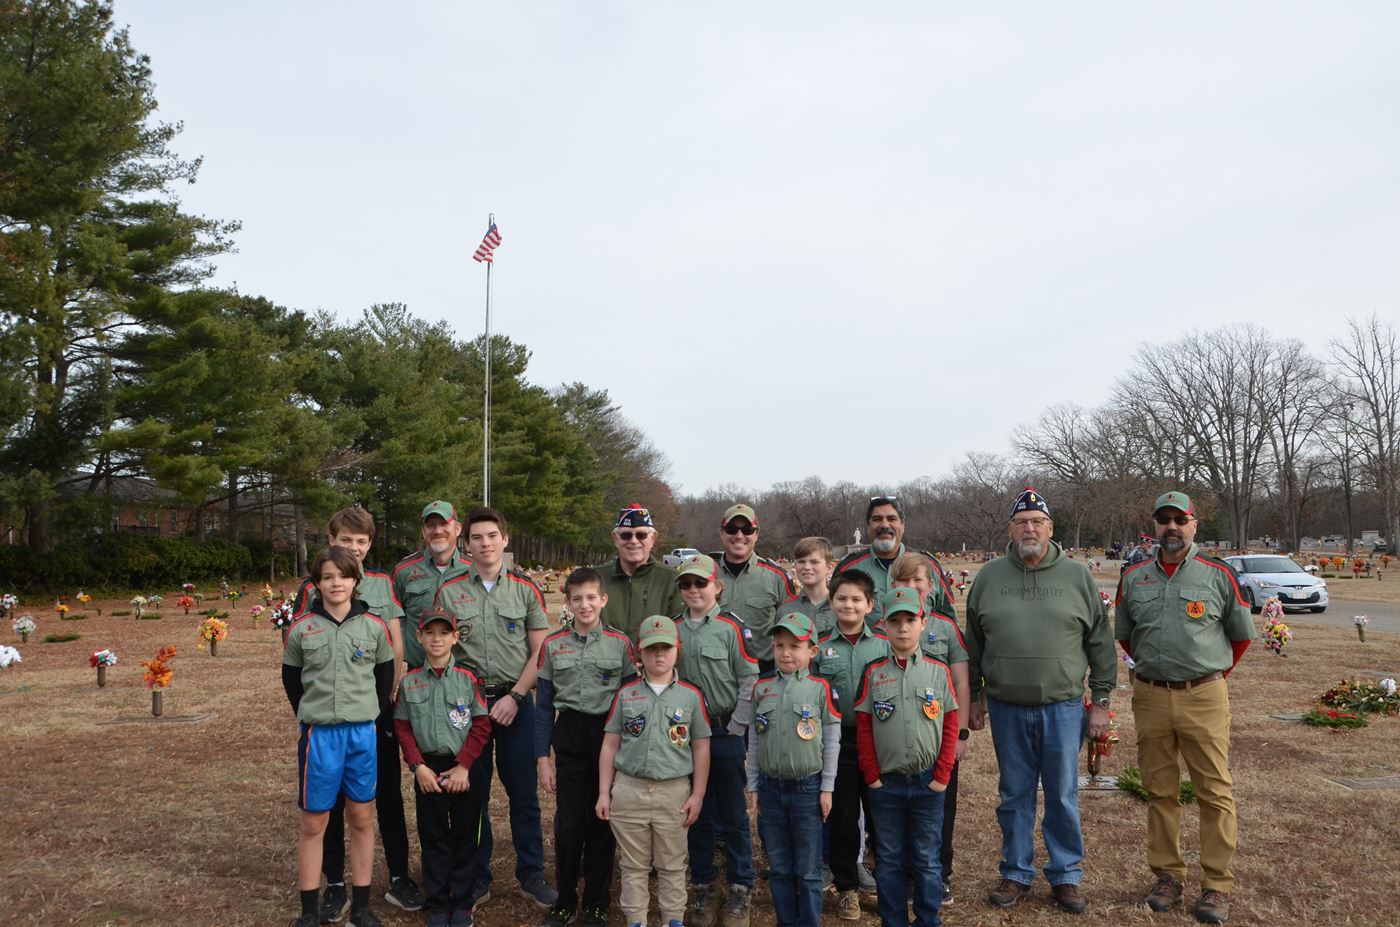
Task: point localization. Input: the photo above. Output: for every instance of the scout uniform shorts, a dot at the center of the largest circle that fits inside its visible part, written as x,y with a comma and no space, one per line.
335,758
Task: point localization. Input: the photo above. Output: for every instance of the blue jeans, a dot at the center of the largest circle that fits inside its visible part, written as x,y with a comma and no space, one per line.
514,748
1039,743
790,821
908,818
726,810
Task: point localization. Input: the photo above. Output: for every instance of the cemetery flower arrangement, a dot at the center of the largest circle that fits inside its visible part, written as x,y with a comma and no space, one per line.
267,593
1389,686
1361,621
24,624
1337,720
1363,696
186,602
155,600
159,672
61,609
233,596
102,658
212,630
187,588
8,601
139,601
1129,662
257,612
1276,636
282,614
84,598
8,655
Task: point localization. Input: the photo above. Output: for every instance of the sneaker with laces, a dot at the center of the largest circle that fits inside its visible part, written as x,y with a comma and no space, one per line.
865,879
737,907
365,917
539,891
461,918
305,920
947,893
1213,907
848,905
1008,892
594,917
403,893
1165,893
704,905
335,904
1069,897
558,916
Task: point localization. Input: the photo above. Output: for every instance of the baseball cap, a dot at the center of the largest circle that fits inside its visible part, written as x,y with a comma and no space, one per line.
902,599
436,614
658,629
441,509
1145,539
797,623
739,511
699,565
1174,500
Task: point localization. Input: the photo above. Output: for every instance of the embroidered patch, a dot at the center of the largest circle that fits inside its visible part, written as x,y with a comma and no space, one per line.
884,710
635,725
830,652
760,723
1195,609
680,735
933,709
459,717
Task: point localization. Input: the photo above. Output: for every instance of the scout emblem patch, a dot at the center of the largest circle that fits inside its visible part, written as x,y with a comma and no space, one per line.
760,723
806,728
884,710
680,735
932,636
465,629
830,652
459,717
931,705
1195,609
635,726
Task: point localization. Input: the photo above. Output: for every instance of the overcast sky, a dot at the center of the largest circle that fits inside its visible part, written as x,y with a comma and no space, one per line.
855,240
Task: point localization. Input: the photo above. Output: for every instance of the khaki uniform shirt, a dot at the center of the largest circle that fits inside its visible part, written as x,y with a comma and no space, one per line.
650,590
337,666
754,595
789,714
657,730
416,580
715,658
843,664
586,670
440,707
907,703
492,638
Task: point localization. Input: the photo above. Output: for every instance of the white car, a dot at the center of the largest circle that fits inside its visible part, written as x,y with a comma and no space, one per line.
1265,575
680,555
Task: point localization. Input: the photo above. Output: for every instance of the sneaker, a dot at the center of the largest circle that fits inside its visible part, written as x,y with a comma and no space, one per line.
594,917
480,894
864,878
439,919
848,905
947,892
335,904
704,905
828,880
736,907
1165,893
1008,893
305,920
558,916
674,923
403,893
540,892
1069,897
1213,907
365,917
460,918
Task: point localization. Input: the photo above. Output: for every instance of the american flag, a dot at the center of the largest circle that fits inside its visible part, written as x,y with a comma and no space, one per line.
490,243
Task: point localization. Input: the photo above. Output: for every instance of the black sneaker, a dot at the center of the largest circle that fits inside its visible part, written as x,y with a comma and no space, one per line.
558,916
461,918
539,891
480,894
365,917
335,904
403,893
305,920
594,917
947,892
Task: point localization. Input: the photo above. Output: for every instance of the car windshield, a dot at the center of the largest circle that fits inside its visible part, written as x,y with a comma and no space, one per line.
1271,565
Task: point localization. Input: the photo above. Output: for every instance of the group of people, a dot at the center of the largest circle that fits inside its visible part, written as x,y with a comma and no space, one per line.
680,701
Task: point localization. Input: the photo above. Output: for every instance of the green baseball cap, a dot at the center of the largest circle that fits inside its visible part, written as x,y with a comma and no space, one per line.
699,565
902,599
739,511
1174,500
796,623
435,613
441,509
658,629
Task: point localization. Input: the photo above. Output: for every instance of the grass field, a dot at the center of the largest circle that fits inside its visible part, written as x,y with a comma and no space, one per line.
180,823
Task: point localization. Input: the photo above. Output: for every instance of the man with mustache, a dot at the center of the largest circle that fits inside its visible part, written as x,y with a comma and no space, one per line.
884,523
636,583
1181,616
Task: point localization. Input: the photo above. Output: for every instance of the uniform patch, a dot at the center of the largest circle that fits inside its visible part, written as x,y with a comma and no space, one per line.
806,728
932,636
933,709
680,735
459,717
830,652
884,710
635,725
748,634
1195,609
760,723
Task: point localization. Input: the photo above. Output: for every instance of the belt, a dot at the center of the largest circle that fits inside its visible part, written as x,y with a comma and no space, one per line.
497,691
1188,684
720,722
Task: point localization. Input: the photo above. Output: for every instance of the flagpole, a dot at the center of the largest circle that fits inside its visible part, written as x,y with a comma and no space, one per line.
486,413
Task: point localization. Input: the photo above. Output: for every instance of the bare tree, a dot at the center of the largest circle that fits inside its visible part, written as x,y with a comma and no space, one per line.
1290,402
1369,358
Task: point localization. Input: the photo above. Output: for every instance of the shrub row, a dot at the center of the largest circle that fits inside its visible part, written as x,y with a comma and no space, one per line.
123,561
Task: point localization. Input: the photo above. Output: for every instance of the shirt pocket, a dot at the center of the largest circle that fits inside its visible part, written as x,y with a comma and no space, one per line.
564,667
512,620
714,651
315,652
360,651
606,669
1200,606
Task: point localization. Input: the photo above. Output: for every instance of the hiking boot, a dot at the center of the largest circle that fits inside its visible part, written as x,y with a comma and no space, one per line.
403,893
364,918
594,917
539,891
335,904
864,879
1069,897
1008,893
558,916
704,905
736,907
1165,893
848,905
1213,907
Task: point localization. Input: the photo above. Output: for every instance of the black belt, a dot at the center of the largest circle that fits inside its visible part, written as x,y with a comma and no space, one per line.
721,722
1187,684
497,691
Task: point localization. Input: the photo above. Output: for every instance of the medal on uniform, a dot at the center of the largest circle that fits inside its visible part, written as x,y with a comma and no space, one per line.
932,708
676,715
459,717
1195,609
884,710
760,723
680,735
635,725
806,728
359,654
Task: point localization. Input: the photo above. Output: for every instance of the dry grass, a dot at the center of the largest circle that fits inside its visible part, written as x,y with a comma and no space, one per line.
172,823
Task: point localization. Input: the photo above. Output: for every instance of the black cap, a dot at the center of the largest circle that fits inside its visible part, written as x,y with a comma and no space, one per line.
1030,501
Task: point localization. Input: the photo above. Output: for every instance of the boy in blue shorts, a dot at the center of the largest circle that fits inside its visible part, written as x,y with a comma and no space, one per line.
338,670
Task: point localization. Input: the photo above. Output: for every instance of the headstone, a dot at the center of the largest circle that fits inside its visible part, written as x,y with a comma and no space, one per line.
1289,716
163,719
1379,782
1098,784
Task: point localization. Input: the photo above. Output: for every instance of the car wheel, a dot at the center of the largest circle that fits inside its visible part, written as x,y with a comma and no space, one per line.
1318,609
1249,600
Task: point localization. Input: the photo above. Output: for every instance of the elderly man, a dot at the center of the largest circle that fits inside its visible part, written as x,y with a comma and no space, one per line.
754,586
1035,626
638,586
1181,617
884,524
1138,554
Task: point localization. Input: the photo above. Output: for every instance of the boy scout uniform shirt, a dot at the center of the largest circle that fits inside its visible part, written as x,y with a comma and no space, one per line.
942,641
823,619
879,570
714,657
492,638
754,595
657,730
376,590
907,703
416,580
650,590
789,711
337,665
586,669
843,664
440,708
1181,626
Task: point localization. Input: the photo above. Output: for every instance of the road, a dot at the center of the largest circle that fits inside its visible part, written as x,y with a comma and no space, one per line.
1385,617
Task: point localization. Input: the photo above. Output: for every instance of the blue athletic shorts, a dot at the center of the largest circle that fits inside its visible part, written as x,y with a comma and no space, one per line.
335,758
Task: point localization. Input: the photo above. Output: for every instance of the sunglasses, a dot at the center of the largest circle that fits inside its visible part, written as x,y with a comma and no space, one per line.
1168,519
627,535
699,582
748,530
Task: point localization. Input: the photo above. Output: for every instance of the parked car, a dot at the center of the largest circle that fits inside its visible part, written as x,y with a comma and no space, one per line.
1265,575
678,556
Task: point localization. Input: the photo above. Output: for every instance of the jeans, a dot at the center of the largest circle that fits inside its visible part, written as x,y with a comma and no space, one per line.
790,821
1039,743
725,810
908,830
514,748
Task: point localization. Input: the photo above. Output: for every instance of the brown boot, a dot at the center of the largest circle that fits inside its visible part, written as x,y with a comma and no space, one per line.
1069,897
1213,907
704,905
1165,894
1008,893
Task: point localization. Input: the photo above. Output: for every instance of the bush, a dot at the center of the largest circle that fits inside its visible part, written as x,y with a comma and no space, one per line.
122,561
1130,781
60,638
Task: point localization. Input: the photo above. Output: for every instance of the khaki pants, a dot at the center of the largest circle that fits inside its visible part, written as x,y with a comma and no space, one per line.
650,831
1191,724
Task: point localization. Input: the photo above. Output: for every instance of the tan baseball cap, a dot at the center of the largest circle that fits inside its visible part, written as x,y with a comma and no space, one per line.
796,623
902,599
658,629
699,565
739,511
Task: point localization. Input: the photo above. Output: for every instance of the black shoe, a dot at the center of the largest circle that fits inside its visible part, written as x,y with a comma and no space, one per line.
461,918
480,894
539,891
335,904
364,917
305,920
558,916
594,917
947,892
403,893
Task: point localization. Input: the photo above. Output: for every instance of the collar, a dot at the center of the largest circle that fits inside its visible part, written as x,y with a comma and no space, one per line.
714,610
456,561
880,561
476,575
725,562
594,633
642,567
357,607
800,673
675,677
1191,551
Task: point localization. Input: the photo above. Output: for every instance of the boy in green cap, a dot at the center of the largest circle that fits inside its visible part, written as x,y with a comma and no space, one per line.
651,774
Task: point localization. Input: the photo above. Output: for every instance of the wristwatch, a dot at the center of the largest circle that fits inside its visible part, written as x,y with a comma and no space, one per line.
518,696
1102,702
413,768
964,733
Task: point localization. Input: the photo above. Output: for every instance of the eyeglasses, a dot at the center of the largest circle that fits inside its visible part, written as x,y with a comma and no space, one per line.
699,582
1168,519
748,530
627,535
890,499
1038,522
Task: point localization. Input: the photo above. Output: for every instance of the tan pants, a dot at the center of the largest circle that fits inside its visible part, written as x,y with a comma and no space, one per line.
650,831
1191,725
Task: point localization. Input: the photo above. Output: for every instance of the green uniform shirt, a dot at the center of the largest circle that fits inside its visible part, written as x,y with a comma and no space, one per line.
942,640
907,704
416,580
823,619
1180,627
715,658
656,730
492,627
789,712
586,669
879,570
650,590
337,666
440,707
376,590
754,595
843,664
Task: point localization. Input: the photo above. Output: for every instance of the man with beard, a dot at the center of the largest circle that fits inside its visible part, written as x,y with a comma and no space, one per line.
420,575
754,586
884,523
1035,625
1138,554
636,583
1182,618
